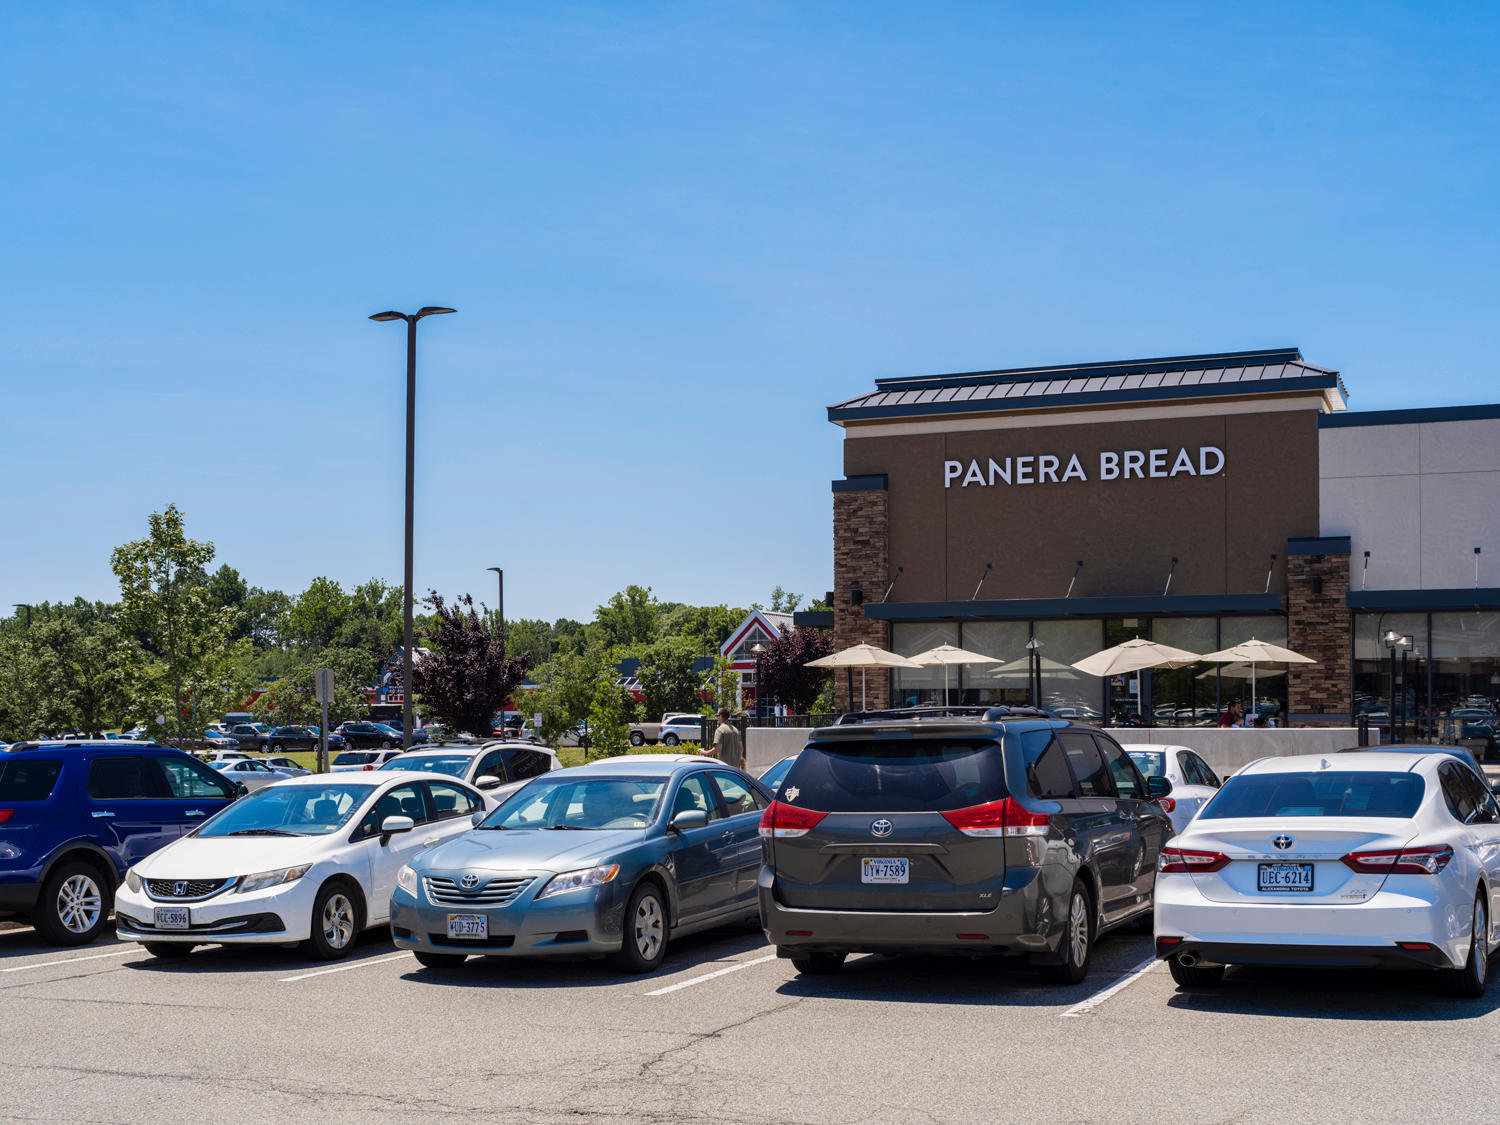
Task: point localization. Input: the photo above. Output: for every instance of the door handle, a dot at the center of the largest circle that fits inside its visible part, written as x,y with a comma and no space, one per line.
1127,814
432,843
194,812
726,835
101,812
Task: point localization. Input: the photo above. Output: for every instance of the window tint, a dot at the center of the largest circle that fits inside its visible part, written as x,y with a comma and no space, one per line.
896,775
1088,765
1128,781
1456,795
186,778
28,780
695,794
1206,772
738,797
1325,793
449,800
1046,768
404,800
123,779
526,763
493,764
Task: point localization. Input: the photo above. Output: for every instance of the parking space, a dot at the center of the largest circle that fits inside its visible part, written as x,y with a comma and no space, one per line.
723,1032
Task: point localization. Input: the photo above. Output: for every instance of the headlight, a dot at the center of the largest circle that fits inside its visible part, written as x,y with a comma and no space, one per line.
577,880
406,879
133,881
272,878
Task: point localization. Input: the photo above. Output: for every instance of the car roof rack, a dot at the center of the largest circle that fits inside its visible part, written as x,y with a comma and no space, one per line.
82,743
980,712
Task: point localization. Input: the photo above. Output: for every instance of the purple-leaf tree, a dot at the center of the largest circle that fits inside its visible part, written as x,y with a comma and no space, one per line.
465,677
783,676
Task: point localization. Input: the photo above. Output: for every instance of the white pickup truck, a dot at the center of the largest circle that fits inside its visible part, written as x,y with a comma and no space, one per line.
681,726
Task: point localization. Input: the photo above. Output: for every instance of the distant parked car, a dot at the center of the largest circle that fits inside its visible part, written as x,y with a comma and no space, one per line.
282,739
366,736
252,773
510,764
681,728
1193,782
250,737
352,760
643,733
287,765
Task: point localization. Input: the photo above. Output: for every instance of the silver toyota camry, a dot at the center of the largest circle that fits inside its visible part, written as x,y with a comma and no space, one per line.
611,859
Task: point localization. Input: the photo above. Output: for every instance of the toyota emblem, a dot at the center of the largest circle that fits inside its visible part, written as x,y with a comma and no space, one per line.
179,889
469,882
1283,842
881,827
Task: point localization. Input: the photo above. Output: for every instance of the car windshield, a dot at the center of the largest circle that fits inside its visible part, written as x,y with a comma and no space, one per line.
1324,793
774,776
896,775
1151,763
289,810
581,803
453,765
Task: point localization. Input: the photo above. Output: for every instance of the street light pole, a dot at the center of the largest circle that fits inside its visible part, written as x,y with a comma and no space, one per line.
27,608
411,459
500,610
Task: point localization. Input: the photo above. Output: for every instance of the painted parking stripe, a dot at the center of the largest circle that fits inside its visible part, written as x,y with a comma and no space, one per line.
66,961
346,968
710,976
1085,1006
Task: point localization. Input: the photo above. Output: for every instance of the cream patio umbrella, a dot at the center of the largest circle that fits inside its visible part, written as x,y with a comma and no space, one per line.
1254,652
1135,654
1019,668
947,656
1238,672
862,657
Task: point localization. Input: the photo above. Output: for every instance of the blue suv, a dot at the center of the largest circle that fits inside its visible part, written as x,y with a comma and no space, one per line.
75,815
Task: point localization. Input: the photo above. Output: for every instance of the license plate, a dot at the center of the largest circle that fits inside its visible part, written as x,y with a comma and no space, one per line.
883,871
172,918
468,926
1279,877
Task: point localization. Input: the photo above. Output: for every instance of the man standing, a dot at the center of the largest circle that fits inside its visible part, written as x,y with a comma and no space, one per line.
726,745
1231,716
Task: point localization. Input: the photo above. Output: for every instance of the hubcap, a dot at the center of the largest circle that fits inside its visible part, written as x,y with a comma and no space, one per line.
1078,929
338,921
1481,941
648,927
79,904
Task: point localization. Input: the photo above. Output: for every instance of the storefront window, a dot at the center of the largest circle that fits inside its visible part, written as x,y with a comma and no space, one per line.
1241,681
913,686
1186,697
1372,666
1065,690
1005,680
1465,674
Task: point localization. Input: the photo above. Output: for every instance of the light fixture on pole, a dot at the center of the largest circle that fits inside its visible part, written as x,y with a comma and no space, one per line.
411,458
27,608
1034,671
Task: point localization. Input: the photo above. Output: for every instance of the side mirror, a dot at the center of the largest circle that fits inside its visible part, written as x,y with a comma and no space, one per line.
239,790
1158,787
688,818
487,781
478,818
393,824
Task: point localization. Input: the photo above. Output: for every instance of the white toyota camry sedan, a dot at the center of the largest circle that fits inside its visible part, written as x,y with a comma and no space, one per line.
1193,782
311,859
1384,860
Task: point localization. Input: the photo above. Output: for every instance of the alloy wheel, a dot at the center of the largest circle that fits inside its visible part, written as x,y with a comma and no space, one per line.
338,920
79,904
1078,929
1481,941
648,926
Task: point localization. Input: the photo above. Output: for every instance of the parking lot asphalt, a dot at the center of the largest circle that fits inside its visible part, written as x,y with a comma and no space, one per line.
724,1032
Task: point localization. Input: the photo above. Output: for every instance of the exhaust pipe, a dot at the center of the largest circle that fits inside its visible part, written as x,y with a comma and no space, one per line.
1187,960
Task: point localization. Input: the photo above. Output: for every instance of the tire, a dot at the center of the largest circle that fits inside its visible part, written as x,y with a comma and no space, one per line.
637,738
385,744
1470,981
439,960
1078,939
670,740
170,950
278,748
1195,976
74,904
337,918
819,964
644,942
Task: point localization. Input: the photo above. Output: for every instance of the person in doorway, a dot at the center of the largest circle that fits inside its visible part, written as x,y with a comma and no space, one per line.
1133,719
726,744
1231,715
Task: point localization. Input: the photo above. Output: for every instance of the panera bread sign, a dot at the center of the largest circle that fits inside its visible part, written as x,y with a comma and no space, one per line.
1123,464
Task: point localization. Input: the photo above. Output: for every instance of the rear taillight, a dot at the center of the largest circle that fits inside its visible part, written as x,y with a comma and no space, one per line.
6,814
999,818
1168,804
1401,861
785,821
1181,861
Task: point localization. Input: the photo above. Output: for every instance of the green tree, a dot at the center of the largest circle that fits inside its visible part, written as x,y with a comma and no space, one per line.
289,699
628,618
319,615
567,690
21,697
783,601
724,685
187,656
667,678
83,672
609,716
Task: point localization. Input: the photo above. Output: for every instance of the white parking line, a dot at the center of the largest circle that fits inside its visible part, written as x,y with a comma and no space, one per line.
65,961
1083,1007
345,968
710,976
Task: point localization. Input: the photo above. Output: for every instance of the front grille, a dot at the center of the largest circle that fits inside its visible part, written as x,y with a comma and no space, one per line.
500,890
184,890
494,941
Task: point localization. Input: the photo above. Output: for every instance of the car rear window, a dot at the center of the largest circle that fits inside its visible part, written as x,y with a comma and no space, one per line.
909,775
30,779
354,758
1325,793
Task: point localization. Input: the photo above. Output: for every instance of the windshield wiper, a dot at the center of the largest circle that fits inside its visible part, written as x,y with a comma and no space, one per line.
259,832
564,828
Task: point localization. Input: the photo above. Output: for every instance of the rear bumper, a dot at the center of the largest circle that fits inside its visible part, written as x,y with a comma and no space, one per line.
18,898
1389,956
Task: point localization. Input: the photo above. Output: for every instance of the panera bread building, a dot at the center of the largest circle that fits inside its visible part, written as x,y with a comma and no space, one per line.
1196,500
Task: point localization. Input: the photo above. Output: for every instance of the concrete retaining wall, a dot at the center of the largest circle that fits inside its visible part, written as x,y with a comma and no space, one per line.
765,746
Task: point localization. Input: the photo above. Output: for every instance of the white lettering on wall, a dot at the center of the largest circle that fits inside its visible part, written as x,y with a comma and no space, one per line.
951,469
1183,464
1074,471
1123,464
1203,455
1109,465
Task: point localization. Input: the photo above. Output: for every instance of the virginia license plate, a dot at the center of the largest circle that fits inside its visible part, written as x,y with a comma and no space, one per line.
883,871
173,918
1279,877
468,926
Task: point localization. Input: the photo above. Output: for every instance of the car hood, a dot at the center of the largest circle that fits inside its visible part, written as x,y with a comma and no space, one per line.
221,857
529,850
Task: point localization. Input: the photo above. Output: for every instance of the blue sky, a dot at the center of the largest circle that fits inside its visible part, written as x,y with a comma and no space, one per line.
674,233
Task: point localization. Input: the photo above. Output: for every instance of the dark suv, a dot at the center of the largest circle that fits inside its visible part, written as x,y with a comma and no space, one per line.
1004,831
74,816
368,736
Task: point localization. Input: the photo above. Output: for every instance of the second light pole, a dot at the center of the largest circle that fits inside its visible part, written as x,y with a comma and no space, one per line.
500,610
411,460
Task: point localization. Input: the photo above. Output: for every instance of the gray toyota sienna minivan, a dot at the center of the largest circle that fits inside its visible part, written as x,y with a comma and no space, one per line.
1005,832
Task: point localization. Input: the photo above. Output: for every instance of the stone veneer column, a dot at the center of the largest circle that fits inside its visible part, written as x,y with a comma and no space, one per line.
1320,625
861,566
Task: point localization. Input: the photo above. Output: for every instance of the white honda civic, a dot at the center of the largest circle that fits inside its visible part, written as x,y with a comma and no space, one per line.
1374,859
311,859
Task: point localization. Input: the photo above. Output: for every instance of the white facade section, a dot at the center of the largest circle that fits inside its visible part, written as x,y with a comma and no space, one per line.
1419,497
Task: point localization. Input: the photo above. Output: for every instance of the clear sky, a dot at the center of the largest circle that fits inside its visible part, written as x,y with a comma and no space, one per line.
674,234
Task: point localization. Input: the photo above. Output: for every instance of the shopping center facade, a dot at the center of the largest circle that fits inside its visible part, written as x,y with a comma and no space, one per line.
1038,515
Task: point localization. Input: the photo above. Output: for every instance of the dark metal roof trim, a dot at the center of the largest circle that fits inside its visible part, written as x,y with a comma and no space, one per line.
1086,370
813,618
1482,597
1021,609
1325,545
1409,417
875,482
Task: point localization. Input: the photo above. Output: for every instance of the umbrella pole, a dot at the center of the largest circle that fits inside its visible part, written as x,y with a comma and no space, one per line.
1254,698
861,689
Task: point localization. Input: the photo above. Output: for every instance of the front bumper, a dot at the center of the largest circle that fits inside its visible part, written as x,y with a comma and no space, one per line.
270,917
585,922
